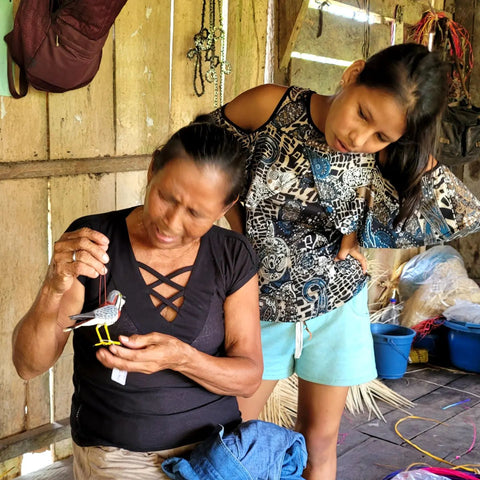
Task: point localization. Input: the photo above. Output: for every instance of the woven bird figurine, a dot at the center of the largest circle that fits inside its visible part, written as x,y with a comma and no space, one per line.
103,316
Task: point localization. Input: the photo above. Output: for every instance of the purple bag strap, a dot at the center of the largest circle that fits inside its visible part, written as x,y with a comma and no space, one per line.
22,78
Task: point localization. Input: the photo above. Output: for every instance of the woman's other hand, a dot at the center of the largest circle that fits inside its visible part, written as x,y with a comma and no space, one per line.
239,373
148,353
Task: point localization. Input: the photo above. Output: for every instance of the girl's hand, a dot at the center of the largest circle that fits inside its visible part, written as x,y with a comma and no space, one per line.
349,246
82,252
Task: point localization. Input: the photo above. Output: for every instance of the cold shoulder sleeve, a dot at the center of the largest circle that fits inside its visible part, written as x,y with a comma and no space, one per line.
246,138
448,211
356,197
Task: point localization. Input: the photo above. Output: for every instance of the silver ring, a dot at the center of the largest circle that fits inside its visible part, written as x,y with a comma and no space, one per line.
74,256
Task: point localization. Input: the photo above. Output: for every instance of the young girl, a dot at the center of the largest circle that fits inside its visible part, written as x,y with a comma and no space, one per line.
324,172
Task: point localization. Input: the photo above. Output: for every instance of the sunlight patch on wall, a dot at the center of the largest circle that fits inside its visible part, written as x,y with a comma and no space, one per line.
347,11
319,59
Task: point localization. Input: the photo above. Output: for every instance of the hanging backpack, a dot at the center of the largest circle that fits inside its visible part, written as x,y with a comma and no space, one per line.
57,45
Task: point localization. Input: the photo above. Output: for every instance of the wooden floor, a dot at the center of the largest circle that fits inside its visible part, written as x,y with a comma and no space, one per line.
369,449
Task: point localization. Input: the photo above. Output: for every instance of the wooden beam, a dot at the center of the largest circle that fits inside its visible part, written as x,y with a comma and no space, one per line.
57,168
291,14
31,440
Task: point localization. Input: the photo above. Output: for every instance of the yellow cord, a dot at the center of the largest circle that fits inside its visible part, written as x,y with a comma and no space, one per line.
7,472
469,467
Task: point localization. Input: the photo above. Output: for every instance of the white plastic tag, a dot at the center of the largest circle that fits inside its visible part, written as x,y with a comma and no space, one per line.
119,376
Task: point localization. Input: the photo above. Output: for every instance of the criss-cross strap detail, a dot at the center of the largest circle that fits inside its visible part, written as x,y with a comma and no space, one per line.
167,279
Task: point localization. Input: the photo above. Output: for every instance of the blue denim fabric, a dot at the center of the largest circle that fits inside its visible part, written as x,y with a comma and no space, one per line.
255,450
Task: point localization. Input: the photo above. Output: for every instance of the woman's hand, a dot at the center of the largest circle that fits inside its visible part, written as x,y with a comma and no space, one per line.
349,246
238,373
148,353
39,338
81,252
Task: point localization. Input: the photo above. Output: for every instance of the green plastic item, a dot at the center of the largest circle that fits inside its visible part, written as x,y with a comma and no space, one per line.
6,25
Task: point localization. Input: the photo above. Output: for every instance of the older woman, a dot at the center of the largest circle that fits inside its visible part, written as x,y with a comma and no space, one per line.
189,331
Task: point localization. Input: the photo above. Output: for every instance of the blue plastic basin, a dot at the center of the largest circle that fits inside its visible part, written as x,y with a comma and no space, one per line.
464,345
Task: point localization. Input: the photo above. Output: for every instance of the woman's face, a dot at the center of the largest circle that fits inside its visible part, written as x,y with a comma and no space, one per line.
363,120
182,202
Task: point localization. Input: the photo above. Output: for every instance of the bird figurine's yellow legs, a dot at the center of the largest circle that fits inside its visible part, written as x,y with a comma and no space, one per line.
105,342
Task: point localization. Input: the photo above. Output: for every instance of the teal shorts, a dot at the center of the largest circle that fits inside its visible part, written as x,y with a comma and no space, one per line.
337,347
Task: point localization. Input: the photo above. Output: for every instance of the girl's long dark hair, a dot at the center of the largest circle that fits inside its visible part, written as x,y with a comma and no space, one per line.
418,79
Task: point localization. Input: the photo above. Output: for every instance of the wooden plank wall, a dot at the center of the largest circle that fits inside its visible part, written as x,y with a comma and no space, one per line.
467,13
86,151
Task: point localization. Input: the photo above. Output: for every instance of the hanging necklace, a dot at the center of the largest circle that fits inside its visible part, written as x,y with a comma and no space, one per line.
205,51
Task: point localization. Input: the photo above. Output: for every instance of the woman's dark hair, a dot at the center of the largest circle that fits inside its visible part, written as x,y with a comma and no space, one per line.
417,78
206,144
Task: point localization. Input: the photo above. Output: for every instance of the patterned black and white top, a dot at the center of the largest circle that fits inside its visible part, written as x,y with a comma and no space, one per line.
302,197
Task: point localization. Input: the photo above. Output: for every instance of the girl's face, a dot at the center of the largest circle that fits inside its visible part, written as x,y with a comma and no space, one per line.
182,202
363,120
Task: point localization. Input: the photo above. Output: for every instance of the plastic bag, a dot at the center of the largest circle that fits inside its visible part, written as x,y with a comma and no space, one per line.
431,473
417,270
418,475
463,311
438,279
